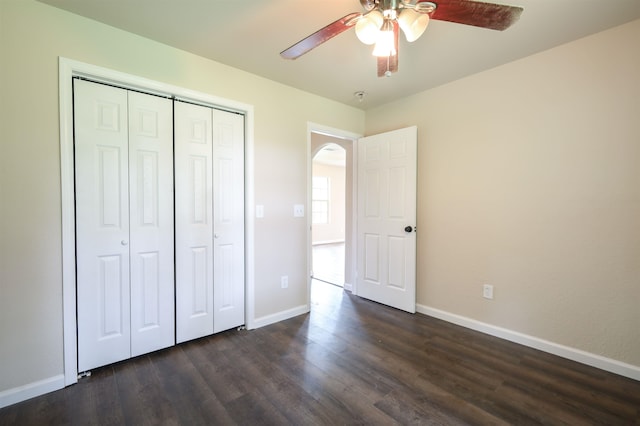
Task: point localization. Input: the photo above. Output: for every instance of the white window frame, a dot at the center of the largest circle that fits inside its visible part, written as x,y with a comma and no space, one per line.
326,200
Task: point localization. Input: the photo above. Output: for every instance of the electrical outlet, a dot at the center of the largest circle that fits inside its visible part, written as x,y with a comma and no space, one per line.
284,281
298,210
487,291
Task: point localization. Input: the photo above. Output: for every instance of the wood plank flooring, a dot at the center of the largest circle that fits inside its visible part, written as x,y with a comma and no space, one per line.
350,361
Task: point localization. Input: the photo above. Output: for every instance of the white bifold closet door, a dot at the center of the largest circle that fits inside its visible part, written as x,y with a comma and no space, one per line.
124,223
209,170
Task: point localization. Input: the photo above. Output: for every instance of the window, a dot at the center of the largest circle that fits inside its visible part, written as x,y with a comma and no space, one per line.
320,199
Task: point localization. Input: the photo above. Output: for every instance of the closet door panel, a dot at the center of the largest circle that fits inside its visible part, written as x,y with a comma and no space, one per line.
102,224
151,222
228,218
194,224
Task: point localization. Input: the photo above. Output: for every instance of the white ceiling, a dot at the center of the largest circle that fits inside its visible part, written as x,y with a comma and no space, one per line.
250,34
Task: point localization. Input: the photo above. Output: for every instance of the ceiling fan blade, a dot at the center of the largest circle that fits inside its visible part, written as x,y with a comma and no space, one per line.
320,36
479,14
389,64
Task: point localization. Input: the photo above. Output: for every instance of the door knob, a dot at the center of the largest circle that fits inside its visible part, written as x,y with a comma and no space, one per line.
124,242
408,229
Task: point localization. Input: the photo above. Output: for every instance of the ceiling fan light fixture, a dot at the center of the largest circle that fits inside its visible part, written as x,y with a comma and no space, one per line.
368,27
385,44
382,19
413,24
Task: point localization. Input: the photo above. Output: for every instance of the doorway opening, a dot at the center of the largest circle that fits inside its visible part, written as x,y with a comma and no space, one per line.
328,214
334,148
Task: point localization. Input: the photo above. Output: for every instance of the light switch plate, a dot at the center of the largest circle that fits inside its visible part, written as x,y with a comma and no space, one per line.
487,291
298,210
259,211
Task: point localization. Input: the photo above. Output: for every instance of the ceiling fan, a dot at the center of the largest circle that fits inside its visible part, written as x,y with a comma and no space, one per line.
380,22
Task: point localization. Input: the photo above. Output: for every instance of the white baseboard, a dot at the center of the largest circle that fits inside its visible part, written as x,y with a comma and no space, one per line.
348,287
31,390
598,361
279,316
319,243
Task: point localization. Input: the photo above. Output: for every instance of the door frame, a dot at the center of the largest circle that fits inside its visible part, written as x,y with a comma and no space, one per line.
68,69
350,281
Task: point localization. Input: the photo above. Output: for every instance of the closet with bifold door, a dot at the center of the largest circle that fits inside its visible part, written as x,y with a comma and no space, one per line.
124,223
209,164
159,192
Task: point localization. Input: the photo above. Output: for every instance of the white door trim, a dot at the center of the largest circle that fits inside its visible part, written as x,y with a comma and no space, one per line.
68,69
330,131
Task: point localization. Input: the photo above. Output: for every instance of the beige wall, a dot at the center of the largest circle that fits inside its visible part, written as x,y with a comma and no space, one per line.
32,37
334,230
529,180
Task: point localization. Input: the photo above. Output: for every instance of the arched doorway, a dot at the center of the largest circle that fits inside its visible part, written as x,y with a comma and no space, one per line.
319,137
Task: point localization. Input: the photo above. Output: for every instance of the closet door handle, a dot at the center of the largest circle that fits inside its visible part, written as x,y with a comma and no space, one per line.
216,235
124,242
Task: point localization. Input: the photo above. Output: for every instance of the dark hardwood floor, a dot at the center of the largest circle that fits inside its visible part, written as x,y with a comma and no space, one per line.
349,361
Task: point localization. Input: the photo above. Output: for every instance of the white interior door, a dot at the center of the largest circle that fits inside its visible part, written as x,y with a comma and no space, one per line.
386,239
124,223
102,224
151,222
125,166
194,221
209,164
228,219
